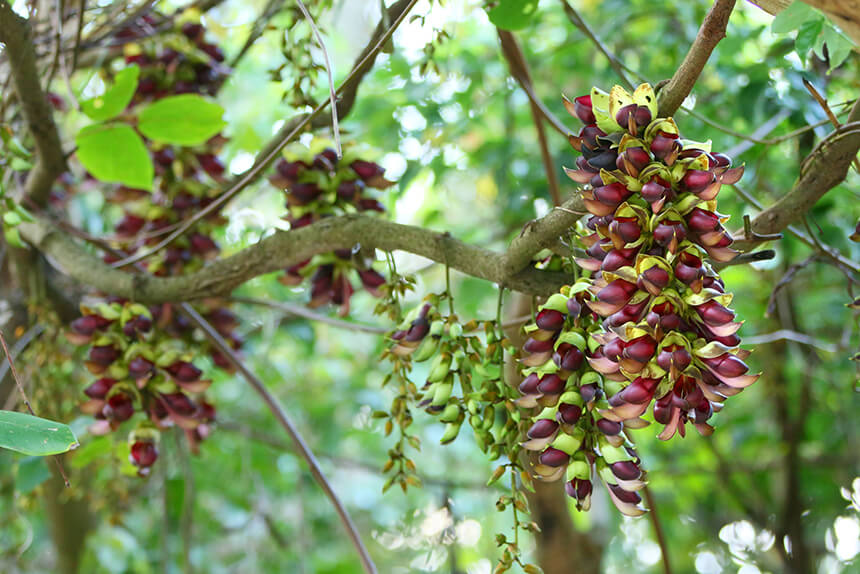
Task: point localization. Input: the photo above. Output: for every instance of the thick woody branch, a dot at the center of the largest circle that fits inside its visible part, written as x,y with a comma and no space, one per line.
542,234
15,33
712,31
281,250
823,170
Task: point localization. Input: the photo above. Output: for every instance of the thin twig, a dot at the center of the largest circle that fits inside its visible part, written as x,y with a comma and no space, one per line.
614,62
283,418
658,529
186,521
788,335
82,8
258,167
165,522
304,312
15,374
371,468
20,345
330,71
822,101
27,401
520,69
257,30
785,280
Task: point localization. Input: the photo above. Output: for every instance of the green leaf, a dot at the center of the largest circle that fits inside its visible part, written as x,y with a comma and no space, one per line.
839,47
792,18
116,98
34,436
187,119
806,36
513,14
115,154
11,218
12,236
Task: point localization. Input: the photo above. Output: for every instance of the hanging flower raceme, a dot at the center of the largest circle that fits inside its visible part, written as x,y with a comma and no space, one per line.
570,435
319,185
652,322
654,226
140,369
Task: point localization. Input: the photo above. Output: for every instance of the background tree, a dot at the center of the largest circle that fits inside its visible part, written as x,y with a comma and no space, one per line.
461,103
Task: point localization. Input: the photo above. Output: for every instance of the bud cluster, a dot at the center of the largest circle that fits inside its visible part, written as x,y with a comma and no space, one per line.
464,376
652,322
320,185
140,368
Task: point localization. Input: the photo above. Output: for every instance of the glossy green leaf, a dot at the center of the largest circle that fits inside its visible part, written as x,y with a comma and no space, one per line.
116,98
115,154
34,436
187,120
513,14
792,18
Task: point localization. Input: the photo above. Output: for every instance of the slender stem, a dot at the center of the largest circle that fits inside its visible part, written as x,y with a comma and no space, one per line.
614,62
448,291
304,312
165,522
283,418
520,70
19,346
257,30
186,526
82,8
658,529
15,374
330,71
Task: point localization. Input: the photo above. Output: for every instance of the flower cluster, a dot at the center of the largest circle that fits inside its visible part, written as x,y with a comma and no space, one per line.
141,368
652,323
144,354
571,434
318,184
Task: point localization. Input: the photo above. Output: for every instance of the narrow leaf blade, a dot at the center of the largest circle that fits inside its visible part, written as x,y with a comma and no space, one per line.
34,436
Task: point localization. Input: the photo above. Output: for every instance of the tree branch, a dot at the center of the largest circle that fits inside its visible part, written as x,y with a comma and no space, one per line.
542,233
283,249
520,70
50,162
825,168
712,31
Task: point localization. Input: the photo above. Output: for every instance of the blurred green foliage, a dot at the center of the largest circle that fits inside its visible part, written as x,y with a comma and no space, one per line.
457,133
